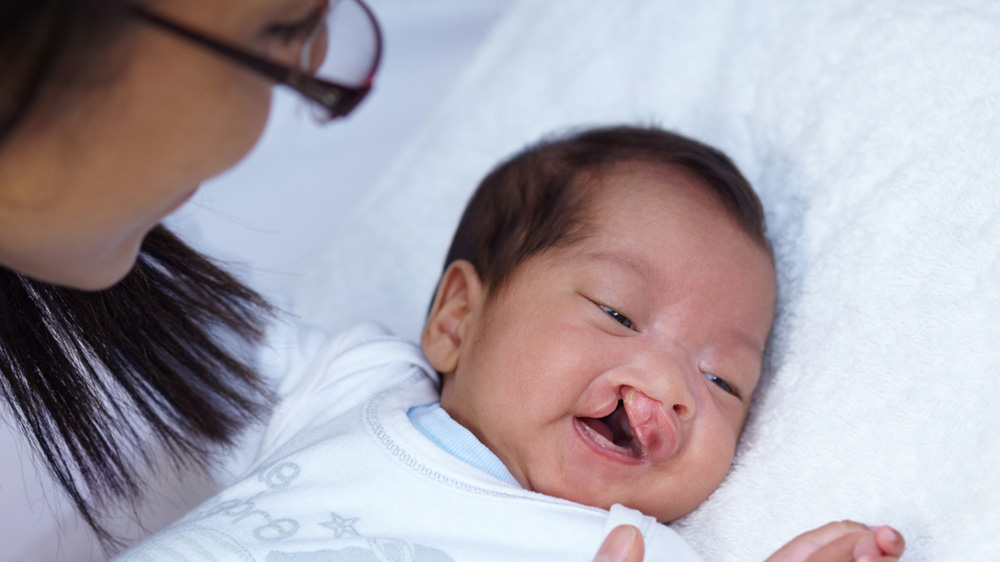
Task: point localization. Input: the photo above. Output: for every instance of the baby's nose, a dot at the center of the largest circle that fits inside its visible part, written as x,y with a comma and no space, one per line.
669,387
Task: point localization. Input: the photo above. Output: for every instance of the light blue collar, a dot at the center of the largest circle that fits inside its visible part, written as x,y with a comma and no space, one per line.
437,425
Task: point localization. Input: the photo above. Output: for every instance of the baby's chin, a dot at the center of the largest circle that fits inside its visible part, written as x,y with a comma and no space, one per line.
664,511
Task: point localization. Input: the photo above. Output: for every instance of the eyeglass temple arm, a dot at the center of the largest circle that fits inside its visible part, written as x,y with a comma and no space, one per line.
338,98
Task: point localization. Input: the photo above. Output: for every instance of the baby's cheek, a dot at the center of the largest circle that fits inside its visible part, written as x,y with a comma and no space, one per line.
713,456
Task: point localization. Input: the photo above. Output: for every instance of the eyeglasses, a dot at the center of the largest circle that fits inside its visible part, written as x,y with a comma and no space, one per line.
332,54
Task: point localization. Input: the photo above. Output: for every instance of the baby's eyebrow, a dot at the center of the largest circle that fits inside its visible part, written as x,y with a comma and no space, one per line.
751,342
621,261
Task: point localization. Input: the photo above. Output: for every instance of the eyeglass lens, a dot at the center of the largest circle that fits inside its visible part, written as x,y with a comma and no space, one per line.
346,48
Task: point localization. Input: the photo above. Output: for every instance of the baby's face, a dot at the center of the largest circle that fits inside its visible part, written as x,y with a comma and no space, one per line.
620,369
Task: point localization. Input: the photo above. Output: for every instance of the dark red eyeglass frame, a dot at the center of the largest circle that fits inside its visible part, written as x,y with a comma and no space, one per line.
338,99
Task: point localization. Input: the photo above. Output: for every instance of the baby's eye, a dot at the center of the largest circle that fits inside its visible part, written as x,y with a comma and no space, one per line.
620,318
722,384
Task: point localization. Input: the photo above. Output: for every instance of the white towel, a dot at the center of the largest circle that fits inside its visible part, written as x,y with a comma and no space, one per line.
871,129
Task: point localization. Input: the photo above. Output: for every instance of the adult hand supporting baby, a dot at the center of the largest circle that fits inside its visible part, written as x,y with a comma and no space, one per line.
623,544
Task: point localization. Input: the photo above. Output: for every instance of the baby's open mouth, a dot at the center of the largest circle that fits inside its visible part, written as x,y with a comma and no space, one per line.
614,432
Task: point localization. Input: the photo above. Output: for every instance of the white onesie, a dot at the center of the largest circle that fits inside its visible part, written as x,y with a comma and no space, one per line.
342,474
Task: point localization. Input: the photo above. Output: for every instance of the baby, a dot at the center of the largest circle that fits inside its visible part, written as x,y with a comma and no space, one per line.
601,322
598,332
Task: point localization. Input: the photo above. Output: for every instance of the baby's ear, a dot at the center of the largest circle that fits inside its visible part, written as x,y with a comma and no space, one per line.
458,294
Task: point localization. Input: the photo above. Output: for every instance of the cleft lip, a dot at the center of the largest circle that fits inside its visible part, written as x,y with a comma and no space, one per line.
633,428
600,438
615,430
655,432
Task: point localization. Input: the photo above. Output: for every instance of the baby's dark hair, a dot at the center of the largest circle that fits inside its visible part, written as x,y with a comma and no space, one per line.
538,198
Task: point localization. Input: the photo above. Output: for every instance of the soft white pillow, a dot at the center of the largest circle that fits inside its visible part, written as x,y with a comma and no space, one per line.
870,129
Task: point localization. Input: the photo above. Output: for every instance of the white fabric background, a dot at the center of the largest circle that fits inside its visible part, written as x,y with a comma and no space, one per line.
870,129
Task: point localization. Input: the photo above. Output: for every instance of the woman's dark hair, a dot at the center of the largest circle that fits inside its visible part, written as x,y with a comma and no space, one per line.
102,381
537,199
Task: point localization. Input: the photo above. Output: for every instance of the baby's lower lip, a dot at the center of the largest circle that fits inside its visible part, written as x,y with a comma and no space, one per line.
602,446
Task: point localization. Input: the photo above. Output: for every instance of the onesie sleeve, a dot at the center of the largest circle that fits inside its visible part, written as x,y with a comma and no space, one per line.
316,378
662,542
282,361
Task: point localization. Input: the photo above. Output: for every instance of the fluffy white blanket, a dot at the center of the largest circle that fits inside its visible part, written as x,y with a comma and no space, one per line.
871,129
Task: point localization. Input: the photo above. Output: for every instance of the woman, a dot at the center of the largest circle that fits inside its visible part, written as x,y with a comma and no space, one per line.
111,115
137,114
116,338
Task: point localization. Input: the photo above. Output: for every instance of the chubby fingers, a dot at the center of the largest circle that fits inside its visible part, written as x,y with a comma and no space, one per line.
889,540
832,531
804,546
854,546
623,544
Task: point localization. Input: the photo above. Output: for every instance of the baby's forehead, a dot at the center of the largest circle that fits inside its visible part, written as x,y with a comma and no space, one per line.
637,172
608,187
683,189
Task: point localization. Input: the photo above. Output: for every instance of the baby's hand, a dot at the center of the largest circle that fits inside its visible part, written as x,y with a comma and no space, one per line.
844,541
